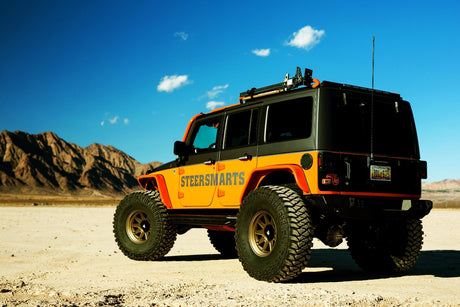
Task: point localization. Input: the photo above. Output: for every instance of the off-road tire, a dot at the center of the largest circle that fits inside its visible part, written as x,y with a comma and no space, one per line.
223,242
385,248
142,227
274,234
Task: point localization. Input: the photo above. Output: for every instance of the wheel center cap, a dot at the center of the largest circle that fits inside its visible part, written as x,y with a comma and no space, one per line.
145,226
269,232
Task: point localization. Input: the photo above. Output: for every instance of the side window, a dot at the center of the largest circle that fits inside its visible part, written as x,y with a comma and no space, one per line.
241,129
205,135
253,133
289,120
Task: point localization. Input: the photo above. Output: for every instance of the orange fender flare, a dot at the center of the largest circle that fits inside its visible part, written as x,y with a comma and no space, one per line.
259,174
159,183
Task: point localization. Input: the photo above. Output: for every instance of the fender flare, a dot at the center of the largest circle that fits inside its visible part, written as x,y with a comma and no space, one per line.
258,174
158,183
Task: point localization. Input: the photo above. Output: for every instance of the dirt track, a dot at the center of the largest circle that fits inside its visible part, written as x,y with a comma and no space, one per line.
67,256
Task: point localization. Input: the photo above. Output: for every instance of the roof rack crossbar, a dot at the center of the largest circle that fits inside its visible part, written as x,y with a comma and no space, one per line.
286,85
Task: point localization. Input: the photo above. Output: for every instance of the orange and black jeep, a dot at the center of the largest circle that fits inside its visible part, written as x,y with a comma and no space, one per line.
291,161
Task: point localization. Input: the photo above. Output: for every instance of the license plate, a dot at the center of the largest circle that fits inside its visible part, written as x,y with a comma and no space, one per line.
380,173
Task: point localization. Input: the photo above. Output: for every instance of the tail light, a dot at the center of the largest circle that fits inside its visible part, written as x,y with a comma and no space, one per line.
423,170
329,170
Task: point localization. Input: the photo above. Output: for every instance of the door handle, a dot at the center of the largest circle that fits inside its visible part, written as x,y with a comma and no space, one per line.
245,158
210,162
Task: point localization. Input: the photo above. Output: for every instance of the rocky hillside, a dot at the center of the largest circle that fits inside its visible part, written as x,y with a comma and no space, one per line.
444,194
46,163
445,185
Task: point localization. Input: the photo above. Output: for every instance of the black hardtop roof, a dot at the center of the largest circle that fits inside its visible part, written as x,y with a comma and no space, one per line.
322,85
299,82
341,86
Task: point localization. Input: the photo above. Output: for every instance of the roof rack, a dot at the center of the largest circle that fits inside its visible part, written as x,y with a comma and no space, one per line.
286,85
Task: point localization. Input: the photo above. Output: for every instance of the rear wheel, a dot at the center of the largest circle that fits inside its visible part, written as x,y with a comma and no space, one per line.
386,248
223,242
273,234
142,227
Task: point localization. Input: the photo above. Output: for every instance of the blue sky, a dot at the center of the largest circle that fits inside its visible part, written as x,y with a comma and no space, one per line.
131,73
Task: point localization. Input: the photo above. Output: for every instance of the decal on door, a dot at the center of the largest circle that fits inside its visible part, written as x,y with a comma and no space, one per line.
229,178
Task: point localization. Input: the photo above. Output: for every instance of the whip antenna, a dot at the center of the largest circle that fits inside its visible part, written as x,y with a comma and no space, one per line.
372,100
373,51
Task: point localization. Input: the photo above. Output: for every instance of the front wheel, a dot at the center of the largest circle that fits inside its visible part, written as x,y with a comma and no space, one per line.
142,228
385,247
274,234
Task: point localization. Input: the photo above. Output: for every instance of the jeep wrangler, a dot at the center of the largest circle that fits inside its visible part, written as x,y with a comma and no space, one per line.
291,161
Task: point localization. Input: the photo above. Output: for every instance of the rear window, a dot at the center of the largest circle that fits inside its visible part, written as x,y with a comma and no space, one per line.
392,129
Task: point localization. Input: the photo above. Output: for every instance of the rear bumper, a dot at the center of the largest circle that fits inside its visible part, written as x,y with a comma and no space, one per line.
372,208
418,209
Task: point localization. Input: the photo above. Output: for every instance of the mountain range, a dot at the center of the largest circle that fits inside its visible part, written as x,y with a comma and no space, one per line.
44,163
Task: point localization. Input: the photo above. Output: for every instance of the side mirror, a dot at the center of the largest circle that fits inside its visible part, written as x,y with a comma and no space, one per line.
180,149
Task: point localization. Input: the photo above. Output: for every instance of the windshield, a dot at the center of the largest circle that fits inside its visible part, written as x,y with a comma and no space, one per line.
351,129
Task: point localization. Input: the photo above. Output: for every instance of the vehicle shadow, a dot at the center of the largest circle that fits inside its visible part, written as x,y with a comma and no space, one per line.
339,266
199,257
438,263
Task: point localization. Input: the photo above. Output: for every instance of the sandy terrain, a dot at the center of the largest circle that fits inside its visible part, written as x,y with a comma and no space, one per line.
66,256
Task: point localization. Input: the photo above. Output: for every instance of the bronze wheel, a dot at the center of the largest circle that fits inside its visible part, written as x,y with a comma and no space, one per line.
262,234
138,227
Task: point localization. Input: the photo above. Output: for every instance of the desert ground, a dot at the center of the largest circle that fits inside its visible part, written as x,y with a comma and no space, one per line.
65,255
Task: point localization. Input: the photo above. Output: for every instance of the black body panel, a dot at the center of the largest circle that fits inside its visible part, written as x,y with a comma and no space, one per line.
354,174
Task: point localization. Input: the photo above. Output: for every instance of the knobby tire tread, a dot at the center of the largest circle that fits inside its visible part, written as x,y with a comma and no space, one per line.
223,242
383,261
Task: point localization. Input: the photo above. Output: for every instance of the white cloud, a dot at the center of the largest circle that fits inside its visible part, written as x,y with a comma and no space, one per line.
171,83
261,52
114,120
306,38
216,90
214,104
181,35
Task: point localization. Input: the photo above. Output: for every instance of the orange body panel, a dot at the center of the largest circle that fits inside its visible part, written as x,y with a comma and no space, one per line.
228,192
